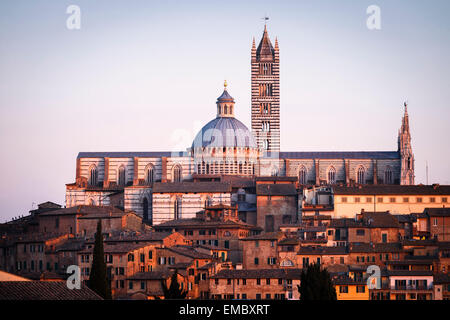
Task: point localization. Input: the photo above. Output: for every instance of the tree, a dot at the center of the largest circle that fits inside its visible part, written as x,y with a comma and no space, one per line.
316,284
173,291
98,280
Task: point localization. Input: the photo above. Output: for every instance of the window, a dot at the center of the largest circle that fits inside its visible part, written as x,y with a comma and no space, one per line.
256,243
268,296
388,176
256,261
331,176
392,200
419,200
258,296
228,281
265,144
244,282
344,199
343,289
302,175
405,199
226,244
258,281
149,174
130,285
360,176
384,237
380,200
142,285
360,289
177,208
357,199
267,281
121,176
360,232
435,222
444,199
432,199
142,257
130,257
177,173
93,175
368,199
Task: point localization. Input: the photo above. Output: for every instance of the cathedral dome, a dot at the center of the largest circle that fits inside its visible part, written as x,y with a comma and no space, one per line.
224,132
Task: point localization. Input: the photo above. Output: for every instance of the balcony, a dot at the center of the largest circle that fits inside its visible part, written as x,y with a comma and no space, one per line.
412,287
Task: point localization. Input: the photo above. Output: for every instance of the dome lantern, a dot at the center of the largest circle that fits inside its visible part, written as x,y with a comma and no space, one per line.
225,103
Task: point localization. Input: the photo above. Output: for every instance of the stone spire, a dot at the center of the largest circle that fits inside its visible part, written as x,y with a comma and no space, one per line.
405,151
265,51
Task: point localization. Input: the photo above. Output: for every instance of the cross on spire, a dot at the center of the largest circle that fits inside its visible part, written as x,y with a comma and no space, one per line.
265,18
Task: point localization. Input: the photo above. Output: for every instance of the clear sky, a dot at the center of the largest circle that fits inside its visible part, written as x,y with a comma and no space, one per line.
140,75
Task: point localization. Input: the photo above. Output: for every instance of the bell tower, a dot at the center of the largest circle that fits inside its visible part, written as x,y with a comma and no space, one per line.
265,83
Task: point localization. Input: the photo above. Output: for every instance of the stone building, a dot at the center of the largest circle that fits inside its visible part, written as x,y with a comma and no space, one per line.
226,147
272,284
216,226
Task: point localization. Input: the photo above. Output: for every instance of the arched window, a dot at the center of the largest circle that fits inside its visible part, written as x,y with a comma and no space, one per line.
145,209
388,175
331,175
121,176
149,174
177,173
177,208
302,175
225,110
93,175
274,171
266,144
360,175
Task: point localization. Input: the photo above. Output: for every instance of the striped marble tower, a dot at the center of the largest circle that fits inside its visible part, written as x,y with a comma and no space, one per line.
266,94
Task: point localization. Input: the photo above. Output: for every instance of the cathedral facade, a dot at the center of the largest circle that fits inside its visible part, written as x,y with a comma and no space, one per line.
162,186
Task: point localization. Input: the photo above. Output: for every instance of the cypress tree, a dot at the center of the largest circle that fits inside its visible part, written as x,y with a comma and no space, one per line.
316,284
98,280
173,291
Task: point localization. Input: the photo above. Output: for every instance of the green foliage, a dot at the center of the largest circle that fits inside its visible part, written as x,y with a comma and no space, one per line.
173,291
98,280
316,284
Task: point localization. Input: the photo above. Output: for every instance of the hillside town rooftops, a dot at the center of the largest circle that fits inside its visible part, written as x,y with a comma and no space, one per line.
43,290
276,190
87,210
322,250
258,274
264,236
375,247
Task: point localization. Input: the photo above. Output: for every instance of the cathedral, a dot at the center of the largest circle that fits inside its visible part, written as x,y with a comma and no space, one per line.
226,158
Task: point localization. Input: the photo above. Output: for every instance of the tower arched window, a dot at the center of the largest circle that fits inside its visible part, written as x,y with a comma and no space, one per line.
177,208
225,109
93,175
331,175
361,175
302,175
265,144
121,176
177,173
149,174
388,178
